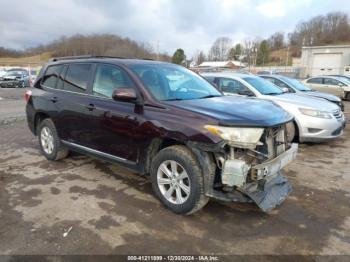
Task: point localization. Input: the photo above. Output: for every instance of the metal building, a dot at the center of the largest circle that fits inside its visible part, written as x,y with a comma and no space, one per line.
326,60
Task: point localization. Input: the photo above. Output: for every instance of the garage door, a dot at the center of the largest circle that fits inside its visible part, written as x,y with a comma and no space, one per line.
326,64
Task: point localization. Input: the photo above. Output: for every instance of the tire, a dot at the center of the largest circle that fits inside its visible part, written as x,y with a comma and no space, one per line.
347,97
185,160
49,142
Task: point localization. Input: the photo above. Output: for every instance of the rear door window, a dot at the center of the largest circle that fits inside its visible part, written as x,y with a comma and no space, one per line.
77,77
51,76
232,86
317,80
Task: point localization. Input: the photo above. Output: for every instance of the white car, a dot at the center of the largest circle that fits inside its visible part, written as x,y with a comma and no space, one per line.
315,119
339,86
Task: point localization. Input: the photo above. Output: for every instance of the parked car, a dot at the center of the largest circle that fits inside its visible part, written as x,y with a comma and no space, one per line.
342,76
194,142
315,119
15,79
330,84
2,73
295,86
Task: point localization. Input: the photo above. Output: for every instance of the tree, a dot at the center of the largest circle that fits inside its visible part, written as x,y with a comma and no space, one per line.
322,30
219,51
276,41
199,57
179,57
235,52
263,53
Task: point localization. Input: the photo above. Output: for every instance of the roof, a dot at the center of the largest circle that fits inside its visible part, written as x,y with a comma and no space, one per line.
112,60
227,74
221,63
326,46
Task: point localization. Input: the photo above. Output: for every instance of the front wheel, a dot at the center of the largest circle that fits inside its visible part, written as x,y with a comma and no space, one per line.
177,180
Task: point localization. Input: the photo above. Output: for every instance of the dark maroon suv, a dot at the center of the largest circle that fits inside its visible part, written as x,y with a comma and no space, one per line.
165,121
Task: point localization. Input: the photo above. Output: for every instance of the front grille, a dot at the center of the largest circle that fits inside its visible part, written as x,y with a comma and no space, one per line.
337,131
337,114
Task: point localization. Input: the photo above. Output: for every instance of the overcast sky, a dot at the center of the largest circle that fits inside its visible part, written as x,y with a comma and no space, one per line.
190,24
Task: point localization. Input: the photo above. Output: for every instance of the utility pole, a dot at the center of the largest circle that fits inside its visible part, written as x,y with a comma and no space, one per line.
158,50
287,56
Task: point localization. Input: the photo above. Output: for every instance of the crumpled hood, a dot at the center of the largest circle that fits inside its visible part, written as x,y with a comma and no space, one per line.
303,101
236,111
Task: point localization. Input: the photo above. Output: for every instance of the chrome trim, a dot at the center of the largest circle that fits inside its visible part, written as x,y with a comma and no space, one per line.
96,152
72,92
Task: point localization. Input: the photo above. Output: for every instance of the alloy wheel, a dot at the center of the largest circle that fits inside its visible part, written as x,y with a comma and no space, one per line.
173,182
47,140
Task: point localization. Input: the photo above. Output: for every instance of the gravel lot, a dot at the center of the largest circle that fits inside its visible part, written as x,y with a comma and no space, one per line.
112,211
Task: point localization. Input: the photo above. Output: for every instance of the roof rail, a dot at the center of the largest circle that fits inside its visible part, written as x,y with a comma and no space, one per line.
54,59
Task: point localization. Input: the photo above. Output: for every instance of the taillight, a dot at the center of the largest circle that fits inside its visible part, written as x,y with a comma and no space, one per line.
27,95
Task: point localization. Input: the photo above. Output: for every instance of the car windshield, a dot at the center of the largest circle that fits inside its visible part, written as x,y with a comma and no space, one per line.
263,86
14,73
297,84
169,82
344,79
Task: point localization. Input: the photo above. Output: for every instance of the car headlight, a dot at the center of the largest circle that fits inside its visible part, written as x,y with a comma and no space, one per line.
315,113
239,136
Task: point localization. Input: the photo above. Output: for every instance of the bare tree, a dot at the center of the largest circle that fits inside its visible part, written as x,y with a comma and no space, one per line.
199,57
219,51
276,41
324,29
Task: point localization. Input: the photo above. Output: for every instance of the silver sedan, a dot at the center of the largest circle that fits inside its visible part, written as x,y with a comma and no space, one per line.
315,119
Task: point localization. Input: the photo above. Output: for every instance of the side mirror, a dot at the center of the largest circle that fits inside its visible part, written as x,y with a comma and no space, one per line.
285,90
124,94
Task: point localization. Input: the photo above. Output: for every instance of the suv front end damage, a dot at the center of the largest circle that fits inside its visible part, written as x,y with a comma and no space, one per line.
247,165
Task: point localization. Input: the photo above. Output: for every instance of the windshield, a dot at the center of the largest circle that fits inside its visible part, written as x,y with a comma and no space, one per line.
344,79
263,86
14,73
296,84
173,82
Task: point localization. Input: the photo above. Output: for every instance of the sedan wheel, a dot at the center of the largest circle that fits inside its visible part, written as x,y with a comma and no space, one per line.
173,182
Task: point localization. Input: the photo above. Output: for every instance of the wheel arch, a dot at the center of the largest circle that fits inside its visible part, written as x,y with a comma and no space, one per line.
39,116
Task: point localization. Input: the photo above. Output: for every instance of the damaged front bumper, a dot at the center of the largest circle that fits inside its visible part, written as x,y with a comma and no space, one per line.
269,188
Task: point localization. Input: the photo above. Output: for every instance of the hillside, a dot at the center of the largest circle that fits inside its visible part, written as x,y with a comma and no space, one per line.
24,61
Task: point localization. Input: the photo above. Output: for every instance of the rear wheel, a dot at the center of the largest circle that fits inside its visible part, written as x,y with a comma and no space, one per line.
50,144
177,180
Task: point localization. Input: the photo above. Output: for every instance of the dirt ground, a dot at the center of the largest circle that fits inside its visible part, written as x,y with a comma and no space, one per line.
112,211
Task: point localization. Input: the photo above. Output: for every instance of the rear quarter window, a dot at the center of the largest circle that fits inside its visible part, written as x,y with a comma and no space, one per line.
77,77
51,76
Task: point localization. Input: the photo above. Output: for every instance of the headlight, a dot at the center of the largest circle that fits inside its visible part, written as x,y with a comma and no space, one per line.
315,113
239,136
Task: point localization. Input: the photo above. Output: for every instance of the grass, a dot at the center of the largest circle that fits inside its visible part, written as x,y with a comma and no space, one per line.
24,61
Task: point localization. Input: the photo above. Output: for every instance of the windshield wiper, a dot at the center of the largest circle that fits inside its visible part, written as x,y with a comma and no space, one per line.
208,96
173,99
272,94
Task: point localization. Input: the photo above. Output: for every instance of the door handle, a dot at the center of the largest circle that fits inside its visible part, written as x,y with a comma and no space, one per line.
54,99
90,107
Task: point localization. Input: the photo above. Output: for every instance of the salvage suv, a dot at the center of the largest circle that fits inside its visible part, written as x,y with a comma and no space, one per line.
165,121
